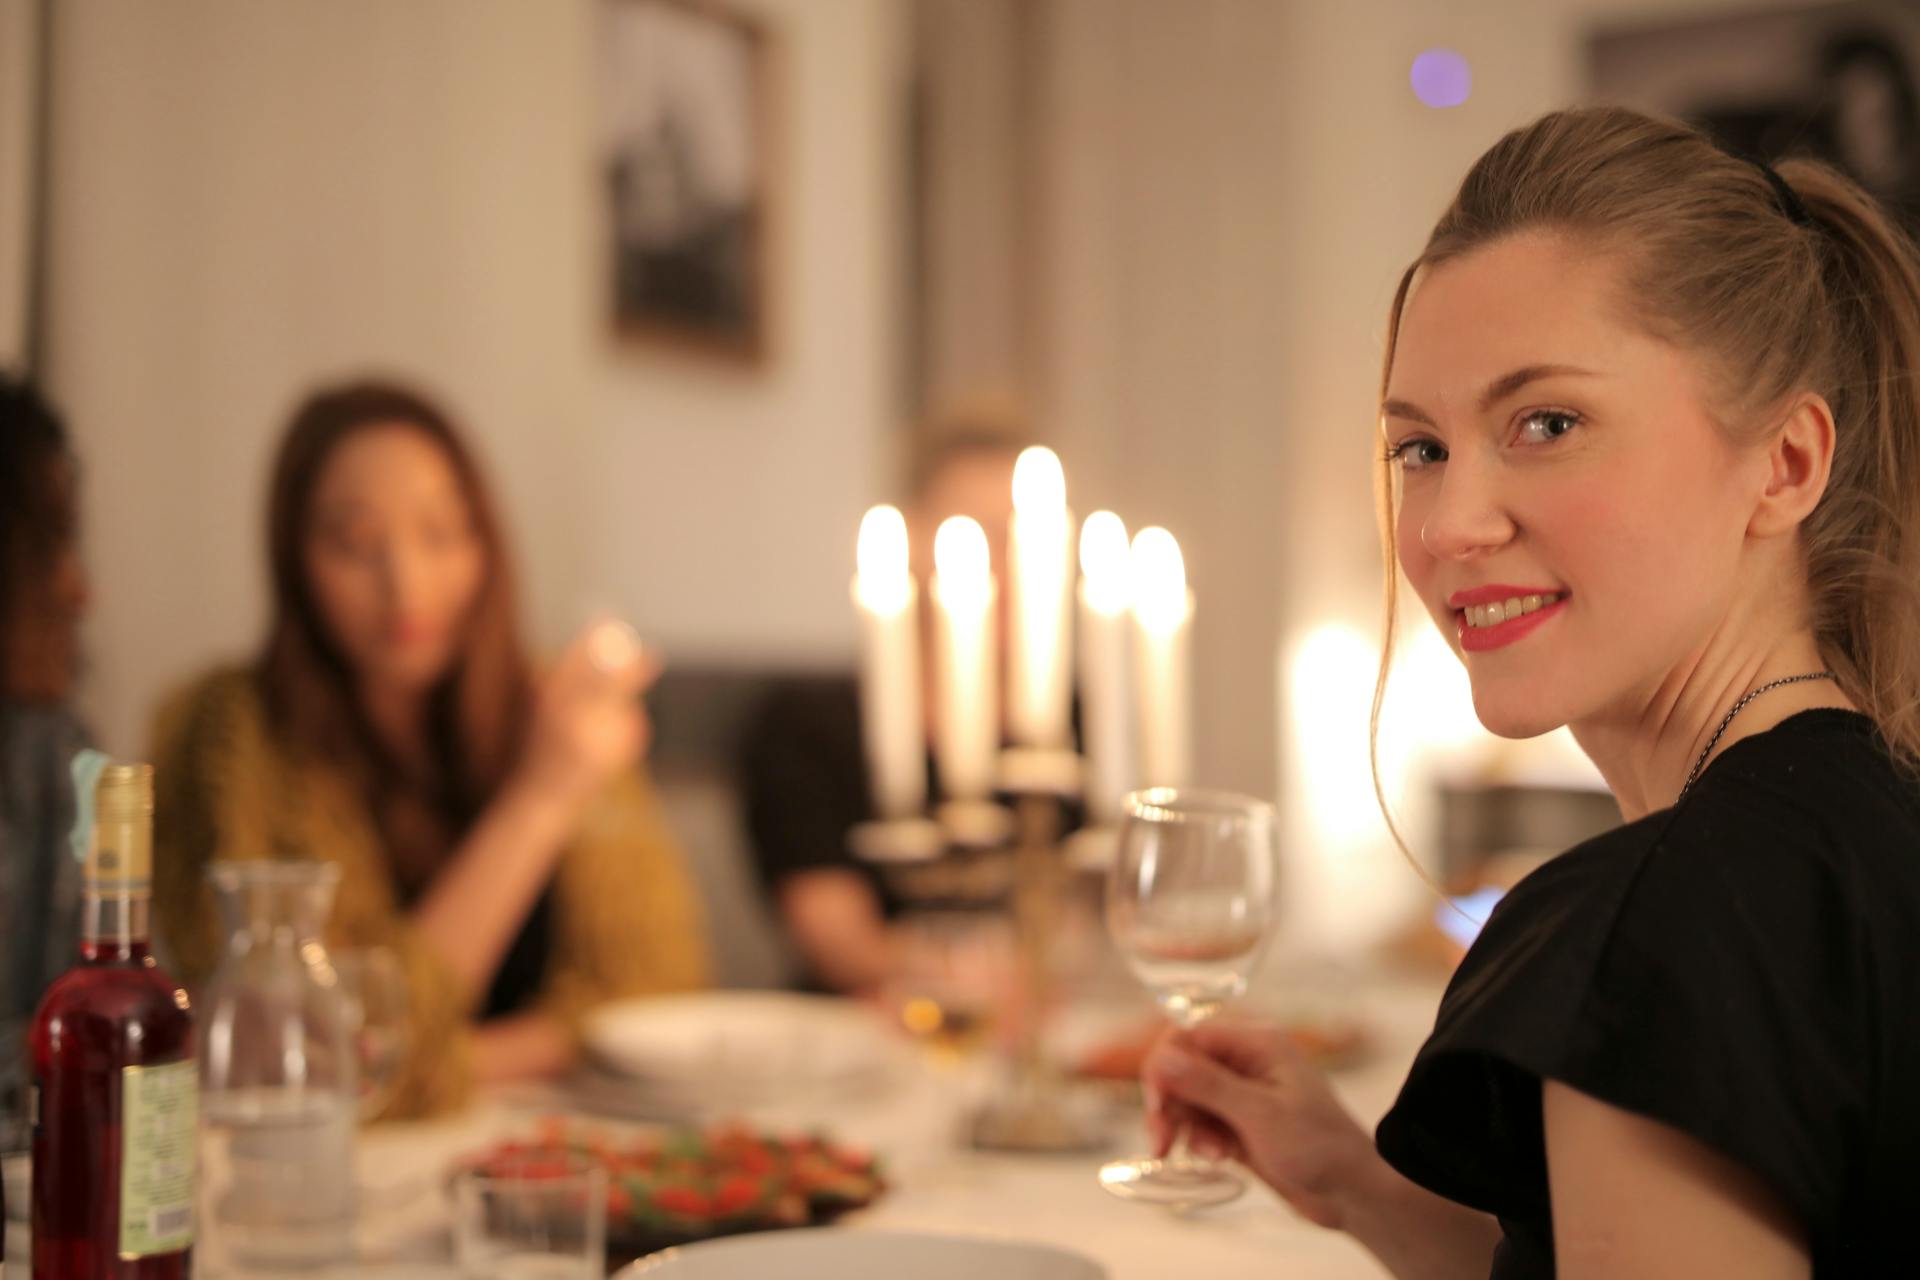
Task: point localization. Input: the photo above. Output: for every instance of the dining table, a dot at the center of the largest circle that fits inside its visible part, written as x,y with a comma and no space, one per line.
937,1182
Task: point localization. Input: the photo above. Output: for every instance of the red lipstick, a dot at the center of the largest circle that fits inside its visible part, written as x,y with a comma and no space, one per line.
1500,634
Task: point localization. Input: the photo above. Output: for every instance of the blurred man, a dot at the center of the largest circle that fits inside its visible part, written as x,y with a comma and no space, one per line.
804,764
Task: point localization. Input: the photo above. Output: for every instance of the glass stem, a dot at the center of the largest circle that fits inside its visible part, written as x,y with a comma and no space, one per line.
1179,1154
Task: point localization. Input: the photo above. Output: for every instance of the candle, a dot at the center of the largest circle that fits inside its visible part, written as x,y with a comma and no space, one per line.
1040,560
1106,599
1163,626
890,717
967,732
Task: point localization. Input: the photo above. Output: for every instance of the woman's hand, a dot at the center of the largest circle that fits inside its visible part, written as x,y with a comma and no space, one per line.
588,725
588,721
1249,1095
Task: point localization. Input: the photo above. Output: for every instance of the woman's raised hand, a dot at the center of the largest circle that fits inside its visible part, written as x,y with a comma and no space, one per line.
588,720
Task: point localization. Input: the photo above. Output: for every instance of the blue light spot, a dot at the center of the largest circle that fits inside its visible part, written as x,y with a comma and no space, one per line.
1441,78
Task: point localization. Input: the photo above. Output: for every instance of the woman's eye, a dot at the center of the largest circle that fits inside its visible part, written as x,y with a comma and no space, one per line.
353,544
1544,425
1414,455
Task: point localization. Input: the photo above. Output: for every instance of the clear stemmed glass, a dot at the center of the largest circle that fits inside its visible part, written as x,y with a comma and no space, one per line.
1190,904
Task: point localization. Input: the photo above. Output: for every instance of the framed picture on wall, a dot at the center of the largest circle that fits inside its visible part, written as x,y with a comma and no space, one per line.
686,161
1837,81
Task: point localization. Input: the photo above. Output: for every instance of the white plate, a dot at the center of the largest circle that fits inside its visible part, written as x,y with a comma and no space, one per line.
862,1255
741,1046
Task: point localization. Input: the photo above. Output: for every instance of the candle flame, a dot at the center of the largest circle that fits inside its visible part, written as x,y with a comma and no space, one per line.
880,557
1159,580
1105,563
1039,483
960,555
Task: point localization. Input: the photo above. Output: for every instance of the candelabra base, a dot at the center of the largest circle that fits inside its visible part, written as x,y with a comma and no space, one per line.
1040,1116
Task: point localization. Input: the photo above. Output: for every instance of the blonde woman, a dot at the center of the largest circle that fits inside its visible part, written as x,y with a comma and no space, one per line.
1653,453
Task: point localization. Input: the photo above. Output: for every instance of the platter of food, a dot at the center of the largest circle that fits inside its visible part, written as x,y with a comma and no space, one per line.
676,1185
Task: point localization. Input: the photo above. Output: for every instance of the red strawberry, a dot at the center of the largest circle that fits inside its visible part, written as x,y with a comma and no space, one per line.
688,1202
736,1193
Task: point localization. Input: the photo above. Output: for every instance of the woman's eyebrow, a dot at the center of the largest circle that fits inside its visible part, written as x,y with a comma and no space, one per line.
1497,390
1500,388
1404,409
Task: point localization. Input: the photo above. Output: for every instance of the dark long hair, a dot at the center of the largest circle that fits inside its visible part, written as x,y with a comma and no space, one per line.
37,516
477,712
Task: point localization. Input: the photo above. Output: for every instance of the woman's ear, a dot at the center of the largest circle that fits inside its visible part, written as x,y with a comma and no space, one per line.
1798,460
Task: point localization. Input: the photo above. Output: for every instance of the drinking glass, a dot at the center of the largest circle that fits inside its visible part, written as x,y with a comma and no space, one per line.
532,1216
376,988
1190,903
953,967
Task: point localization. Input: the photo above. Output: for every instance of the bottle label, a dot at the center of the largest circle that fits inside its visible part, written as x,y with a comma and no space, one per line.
159,1117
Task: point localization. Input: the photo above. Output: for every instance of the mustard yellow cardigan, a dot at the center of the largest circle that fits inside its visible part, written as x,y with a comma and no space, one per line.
626,919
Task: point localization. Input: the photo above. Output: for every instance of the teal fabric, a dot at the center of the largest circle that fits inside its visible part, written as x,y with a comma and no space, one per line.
39,878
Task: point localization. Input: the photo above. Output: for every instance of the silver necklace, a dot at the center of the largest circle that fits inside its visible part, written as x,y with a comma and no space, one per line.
1738,707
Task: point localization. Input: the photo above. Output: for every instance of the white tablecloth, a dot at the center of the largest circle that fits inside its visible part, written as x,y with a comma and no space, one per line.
939,1186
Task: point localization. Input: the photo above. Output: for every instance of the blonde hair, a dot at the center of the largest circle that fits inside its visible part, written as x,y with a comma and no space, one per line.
1715,263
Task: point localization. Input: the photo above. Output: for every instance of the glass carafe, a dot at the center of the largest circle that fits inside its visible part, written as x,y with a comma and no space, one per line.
278,1088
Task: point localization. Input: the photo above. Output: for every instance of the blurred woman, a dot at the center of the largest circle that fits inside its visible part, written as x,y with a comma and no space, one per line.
43,594
492,829
1652,453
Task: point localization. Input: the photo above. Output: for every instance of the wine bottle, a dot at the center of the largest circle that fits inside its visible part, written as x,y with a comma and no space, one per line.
116,1094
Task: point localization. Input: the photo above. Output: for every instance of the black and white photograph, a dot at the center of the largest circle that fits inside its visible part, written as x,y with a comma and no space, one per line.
683,107
1837,82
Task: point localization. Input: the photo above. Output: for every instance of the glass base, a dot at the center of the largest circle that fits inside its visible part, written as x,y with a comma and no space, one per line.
1177,1184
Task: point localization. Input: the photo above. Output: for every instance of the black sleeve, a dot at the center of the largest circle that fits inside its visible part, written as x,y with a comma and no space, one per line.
803,776
1710,977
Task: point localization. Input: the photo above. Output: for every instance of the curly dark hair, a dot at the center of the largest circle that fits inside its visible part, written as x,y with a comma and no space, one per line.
37,516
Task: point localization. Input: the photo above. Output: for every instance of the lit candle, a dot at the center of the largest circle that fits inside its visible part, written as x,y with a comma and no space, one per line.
1163,626
890,717
1040,560
1106,597
967,733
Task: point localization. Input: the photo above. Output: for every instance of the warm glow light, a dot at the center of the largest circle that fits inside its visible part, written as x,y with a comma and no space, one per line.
961,562
1105,563
1159,580
1331,682
883,583
1039,485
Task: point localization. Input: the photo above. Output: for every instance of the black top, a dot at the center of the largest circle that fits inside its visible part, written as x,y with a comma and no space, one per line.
804,778
1744,967
522,974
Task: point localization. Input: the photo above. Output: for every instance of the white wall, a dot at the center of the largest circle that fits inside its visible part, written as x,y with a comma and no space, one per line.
247,198
19,85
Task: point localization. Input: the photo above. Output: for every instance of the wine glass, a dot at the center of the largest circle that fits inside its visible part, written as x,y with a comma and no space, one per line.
377,990
1190,902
